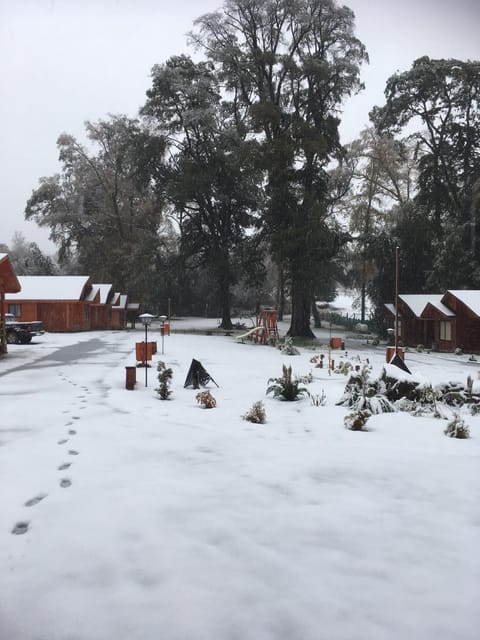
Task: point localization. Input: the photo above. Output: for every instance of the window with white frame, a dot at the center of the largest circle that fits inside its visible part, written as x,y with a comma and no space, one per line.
445,330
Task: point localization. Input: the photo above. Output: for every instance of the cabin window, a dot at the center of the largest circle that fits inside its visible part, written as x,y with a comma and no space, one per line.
15,309
86,312
445,330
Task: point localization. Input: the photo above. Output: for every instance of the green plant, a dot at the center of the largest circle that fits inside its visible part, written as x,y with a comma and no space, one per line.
457,428
286,387
256,414
164,378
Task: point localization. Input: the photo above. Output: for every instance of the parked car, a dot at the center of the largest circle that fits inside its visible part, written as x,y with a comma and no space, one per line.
21,332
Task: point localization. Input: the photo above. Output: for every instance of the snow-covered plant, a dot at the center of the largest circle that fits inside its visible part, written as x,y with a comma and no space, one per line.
319,399
357,420
286,387
345,366
305,379
288,349
457,428
165,376
256,413
363,394
206,400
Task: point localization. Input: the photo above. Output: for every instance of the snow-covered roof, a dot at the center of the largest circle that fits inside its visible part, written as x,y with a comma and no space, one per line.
3,255
442,308
133,306
122,302
390,307
50,288
418,302
470,298
104,292
115,298
92,294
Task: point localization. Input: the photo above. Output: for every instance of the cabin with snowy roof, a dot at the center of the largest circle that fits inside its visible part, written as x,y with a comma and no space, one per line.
101,296
442,322
8,284
61,302
119,311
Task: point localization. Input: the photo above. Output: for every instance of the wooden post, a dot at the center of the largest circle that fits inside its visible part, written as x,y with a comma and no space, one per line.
397,292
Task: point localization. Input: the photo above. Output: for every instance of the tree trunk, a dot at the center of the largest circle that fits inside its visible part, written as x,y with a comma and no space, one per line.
301,304
281,292
317,321
225,302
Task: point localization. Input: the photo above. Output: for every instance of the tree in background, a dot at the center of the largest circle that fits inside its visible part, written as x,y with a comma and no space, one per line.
212,181
27,259
105,209
289,65
382,185
440,99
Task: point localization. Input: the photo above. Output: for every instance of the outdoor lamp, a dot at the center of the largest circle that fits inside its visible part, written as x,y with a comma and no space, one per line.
146,319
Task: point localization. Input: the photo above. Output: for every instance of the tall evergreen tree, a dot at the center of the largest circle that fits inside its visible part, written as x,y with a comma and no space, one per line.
212,179
289,65
440,99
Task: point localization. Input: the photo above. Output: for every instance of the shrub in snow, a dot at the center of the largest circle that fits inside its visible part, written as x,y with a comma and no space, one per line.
286,387
420,348
164,378
206,400
364,394
288,349
319,399
343,367
256,414
457,428
357,420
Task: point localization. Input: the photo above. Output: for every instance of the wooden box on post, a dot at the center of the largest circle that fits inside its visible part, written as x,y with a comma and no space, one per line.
143,351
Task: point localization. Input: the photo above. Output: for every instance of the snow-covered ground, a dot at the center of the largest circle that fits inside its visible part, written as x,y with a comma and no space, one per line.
149,519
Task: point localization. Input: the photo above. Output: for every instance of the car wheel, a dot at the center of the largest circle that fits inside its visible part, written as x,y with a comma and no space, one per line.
12,338
26,340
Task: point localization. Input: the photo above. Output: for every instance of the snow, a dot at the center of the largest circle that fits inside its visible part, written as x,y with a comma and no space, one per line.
471,298
49,288
418,302
189,523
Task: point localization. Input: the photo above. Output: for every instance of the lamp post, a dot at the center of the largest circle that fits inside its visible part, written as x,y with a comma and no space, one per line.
162,330
146,319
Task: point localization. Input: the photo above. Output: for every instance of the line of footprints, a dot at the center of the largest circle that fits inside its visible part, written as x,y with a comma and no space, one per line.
64,482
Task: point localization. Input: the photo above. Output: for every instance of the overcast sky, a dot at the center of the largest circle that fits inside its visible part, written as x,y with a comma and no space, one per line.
63,62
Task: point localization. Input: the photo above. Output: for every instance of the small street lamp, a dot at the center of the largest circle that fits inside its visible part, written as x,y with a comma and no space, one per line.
162,330
146,319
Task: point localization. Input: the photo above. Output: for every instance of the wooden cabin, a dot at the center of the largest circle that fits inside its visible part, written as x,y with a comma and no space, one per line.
442,322
101,306
9,284
60,302
119,311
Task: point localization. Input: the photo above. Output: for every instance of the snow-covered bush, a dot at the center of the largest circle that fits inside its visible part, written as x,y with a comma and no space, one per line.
457,428
286,387
357,420
319,399
288,349
256,413
206,400
344,366
364,394
164,378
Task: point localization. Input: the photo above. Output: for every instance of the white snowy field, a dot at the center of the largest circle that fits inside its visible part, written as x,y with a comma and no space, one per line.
173,522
